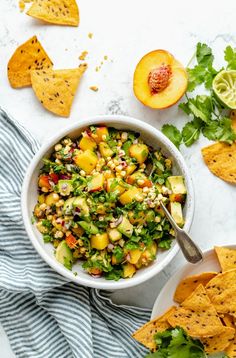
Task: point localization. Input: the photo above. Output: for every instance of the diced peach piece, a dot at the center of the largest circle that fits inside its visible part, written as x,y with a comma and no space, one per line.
86,160
139,179
99,241
96,183
87,143
139,152
99,133
130,168
134,256
128,270
131,194
44,181
108,174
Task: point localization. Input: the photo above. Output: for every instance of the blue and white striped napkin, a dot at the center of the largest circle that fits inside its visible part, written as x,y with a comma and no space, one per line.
43,314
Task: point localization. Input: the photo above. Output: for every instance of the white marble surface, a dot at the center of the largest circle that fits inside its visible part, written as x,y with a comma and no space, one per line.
125,31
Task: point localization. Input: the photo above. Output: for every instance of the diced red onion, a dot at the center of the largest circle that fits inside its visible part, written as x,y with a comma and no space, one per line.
128,257
117,222
110,246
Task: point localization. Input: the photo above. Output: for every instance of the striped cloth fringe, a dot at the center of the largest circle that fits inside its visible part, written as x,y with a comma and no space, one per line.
43,314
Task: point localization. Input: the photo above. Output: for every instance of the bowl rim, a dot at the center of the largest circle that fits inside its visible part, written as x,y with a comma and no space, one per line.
46,145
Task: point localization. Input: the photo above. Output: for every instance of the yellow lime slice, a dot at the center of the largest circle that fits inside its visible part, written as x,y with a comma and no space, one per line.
224,86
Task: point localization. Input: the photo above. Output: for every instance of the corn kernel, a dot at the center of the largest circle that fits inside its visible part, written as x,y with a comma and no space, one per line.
43,207
58,147
145,189
60,203
124,136
119,168
123,173
82,173
44,189
140,181
58,234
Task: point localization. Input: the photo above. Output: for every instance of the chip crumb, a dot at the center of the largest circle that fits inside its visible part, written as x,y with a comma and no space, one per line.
83,55
94,88
105,57
90,35
21,5
97,68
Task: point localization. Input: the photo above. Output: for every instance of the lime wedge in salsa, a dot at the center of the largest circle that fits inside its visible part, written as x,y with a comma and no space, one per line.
224,86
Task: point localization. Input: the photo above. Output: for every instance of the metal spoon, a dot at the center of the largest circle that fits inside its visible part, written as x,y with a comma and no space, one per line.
190,250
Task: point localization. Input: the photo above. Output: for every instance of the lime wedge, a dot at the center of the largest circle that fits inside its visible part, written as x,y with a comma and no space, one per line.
224,86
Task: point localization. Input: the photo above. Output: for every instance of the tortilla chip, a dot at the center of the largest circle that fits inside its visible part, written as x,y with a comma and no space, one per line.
228,321
189,284
56,89
146,333
231,349
222,292
226,257
219,342
27,57
60,12
197,315
221,160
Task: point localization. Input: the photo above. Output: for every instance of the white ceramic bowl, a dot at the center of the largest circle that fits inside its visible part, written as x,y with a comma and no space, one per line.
152,137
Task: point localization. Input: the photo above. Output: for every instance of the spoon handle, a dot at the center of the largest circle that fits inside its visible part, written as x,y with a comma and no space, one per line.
190,250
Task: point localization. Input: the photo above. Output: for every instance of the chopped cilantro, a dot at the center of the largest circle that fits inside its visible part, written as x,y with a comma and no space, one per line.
46,223
208,116
47,238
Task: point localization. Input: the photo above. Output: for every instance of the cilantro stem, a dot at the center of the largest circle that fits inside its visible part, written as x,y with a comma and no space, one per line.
191,59
192,136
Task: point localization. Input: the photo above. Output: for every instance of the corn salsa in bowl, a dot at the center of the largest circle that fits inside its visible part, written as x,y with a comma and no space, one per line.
99,198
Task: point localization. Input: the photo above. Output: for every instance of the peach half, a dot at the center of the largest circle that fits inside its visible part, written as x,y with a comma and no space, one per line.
159,80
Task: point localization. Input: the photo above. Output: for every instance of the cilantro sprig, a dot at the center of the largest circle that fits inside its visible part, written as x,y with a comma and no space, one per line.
175,343
208,115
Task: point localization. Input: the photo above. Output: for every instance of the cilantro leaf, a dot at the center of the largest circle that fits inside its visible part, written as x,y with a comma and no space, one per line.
175,343
203,72
118,253
196,77
204,55
191,131
200,107
220,130
230,57
115,274
173,134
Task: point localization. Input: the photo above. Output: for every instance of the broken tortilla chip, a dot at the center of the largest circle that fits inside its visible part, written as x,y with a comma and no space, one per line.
197,315
220,159
59,12
219,342
27,57
56,89
228,320
146,333
222,290
189,284
226,257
